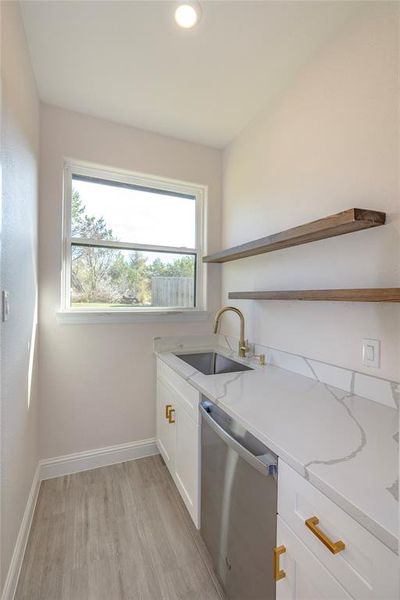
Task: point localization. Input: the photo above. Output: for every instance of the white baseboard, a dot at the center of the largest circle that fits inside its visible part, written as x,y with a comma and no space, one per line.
92,459
11,581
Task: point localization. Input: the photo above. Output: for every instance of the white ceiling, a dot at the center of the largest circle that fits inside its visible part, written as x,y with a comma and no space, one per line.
127,60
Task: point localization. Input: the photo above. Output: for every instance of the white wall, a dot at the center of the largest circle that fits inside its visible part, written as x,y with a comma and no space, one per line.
19,161
97,382
329,143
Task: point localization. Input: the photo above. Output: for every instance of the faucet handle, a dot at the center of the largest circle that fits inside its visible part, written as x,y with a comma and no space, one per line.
261,359
243,348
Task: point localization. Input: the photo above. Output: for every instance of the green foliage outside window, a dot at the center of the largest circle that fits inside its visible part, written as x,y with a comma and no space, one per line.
111,276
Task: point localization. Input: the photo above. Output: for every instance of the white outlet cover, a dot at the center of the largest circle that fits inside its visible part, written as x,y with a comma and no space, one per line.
371,353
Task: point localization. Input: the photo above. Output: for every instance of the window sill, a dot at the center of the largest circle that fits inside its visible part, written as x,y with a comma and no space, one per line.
76,317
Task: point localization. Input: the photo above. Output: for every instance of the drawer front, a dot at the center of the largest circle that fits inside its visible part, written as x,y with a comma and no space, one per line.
366,568
187,395
304,577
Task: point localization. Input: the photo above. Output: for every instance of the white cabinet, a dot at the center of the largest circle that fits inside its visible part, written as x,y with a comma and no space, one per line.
364,567
178,435
305,578
187,460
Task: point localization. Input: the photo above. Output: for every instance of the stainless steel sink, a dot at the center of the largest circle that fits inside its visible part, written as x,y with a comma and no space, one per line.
212,363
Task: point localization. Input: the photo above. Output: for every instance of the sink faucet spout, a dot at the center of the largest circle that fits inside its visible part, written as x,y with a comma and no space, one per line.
243,348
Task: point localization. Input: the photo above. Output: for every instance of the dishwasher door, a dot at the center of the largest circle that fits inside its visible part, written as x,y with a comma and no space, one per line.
238,505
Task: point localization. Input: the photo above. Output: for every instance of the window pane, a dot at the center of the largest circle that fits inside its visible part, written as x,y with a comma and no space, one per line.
105,277
110,211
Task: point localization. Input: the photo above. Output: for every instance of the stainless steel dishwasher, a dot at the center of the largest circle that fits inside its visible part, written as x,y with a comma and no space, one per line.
238,505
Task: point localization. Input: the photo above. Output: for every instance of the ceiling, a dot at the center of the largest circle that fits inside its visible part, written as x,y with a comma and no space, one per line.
127,61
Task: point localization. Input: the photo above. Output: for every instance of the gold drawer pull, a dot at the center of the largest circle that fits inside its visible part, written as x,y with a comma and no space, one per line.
170,417
334,547
278,572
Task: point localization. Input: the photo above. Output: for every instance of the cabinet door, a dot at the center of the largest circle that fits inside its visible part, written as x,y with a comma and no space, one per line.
305,577
367,569
187,460
165,429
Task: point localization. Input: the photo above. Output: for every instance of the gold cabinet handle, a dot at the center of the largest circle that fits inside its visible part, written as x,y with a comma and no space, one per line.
334,547
278,572
168,413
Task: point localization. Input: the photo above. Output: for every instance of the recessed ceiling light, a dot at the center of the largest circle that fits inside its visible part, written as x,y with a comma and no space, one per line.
186,15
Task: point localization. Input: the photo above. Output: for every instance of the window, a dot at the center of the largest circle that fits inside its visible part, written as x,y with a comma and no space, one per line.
131,243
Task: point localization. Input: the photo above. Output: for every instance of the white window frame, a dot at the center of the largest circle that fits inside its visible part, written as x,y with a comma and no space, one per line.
199,192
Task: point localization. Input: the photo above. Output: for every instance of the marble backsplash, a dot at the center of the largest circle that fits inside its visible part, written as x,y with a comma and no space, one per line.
379,390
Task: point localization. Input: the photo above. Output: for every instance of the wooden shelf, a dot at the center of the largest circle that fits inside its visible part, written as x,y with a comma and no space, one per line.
344,295
353,219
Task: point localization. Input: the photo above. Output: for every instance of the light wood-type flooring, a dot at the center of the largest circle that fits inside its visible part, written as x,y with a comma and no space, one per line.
115,533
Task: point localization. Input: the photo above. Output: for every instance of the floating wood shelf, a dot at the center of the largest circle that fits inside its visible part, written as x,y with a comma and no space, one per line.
356,295
353,219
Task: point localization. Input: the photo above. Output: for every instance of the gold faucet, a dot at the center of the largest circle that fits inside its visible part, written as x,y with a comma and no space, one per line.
243,348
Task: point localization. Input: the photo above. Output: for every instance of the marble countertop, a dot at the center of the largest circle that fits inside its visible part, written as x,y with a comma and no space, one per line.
345,445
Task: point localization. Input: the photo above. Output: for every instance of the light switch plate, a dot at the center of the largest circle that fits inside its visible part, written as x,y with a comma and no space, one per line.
371,353
5,305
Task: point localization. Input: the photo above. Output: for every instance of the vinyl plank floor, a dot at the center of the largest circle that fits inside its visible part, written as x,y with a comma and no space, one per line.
115,533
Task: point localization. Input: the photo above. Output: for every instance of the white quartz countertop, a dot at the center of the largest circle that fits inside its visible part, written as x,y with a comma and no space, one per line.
343,444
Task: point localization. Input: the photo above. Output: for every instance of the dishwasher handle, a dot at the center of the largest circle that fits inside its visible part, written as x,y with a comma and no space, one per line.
266,468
